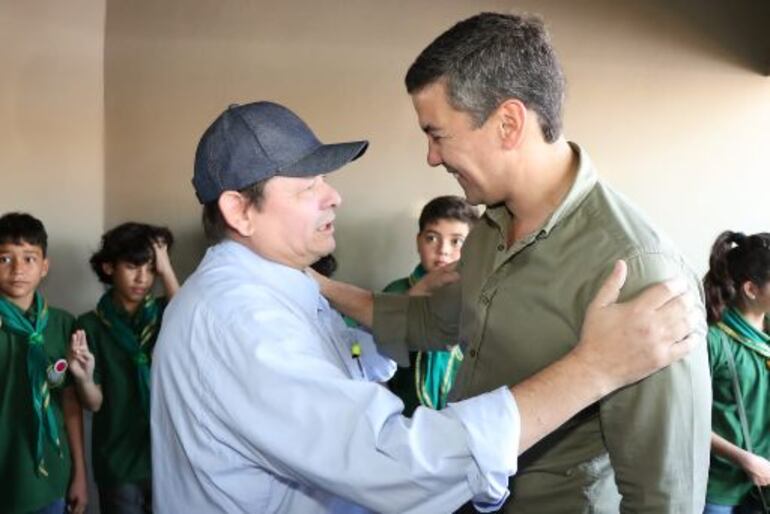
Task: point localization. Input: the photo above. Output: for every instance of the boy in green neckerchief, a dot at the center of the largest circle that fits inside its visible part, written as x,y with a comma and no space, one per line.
444,224
42,468
114,380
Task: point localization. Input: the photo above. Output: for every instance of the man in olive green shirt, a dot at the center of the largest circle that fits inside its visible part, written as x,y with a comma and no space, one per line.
488,94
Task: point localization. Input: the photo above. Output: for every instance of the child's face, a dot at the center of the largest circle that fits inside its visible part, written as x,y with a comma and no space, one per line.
440,242
132,282
22,268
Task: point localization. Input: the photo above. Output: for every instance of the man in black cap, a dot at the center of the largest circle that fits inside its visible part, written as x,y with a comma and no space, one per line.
264,401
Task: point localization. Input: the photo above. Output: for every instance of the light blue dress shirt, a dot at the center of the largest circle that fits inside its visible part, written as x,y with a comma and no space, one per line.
258,406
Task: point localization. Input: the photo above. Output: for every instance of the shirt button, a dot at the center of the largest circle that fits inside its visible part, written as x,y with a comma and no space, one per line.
472,354
500,248
484,300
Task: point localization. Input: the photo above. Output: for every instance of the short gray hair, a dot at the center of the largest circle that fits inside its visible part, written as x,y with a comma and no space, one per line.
490,58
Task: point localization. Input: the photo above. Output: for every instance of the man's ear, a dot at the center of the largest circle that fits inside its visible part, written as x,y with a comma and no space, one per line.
108,268
511,118
44,267
235,211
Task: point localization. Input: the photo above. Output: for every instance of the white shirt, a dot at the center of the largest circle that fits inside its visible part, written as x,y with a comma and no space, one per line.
258,406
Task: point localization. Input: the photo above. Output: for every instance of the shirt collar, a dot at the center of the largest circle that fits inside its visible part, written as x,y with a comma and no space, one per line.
290,282
584,181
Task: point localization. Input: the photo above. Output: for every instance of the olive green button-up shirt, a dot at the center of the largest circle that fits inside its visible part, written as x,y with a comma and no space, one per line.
517,309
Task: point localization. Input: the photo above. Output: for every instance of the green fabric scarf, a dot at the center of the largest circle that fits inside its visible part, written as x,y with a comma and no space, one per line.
734,325
134,335
434,371
17,323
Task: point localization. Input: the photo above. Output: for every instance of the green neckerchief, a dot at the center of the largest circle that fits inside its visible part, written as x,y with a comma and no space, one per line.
416,275
134,335
734,325
434,372
38,363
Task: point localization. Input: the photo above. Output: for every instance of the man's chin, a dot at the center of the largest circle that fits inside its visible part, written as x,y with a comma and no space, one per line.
328,248
473,199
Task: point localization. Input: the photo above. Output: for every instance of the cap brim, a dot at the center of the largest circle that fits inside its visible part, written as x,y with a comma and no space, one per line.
325,159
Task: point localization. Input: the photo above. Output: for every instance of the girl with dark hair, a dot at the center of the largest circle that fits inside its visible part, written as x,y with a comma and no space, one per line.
737,288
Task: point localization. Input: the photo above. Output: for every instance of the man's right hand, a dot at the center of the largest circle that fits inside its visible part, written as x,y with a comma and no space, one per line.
624,342
620,344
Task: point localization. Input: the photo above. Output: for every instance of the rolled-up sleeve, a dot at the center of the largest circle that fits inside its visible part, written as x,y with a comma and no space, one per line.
405,323
482,416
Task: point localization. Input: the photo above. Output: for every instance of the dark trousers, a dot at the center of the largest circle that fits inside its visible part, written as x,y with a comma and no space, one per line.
126,498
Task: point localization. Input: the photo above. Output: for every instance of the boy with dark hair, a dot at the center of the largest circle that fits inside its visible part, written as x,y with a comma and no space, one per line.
444,224
113,382
38,406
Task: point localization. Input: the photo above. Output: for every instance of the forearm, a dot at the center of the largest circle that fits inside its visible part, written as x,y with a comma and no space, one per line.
728,450
350,300
73,422
89,394
552,396
170,283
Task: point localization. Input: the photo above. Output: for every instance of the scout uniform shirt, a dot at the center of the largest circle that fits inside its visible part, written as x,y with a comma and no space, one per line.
121,428
21,489
518,309
431,374
728,482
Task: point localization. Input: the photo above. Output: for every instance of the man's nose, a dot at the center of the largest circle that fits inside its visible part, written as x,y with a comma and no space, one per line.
434,157
333,198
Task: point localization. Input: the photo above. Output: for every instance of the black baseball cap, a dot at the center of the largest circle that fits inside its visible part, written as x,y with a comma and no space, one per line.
254,142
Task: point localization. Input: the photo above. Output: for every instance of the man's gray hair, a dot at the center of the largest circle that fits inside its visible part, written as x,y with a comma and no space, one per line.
490,58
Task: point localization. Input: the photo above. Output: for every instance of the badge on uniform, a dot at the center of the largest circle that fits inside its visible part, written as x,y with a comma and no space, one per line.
56,373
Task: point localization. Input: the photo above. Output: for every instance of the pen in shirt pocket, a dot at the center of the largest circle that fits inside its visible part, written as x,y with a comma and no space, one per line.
355,352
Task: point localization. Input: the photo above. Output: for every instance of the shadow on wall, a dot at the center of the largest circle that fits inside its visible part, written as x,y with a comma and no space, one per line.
368,249
189,247
70,273
737,28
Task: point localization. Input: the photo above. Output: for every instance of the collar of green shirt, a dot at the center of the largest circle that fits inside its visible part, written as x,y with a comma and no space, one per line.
734,325
416,275
584,181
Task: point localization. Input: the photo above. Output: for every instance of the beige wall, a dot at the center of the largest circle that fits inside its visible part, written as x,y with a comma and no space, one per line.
672,119
51,129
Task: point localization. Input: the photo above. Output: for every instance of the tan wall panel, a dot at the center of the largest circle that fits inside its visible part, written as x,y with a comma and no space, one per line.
51,128
672,119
